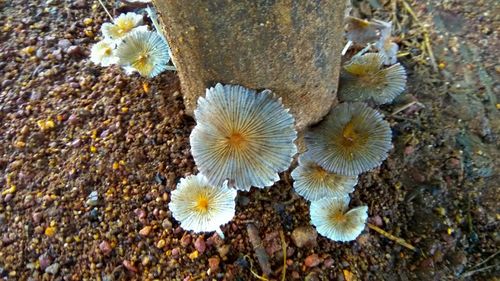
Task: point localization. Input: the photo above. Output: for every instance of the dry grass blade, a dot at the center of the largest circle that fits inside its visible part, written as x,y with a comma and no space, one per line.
389,236
283,246
106,10
252,271
425,33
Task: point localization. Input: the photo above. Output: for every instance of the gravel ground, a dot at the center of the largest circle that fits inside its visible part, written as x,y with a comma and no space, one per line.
88,157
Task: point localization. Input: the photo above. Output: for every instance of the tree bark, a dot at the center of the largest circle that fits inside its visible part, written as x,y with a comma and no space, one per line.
291,47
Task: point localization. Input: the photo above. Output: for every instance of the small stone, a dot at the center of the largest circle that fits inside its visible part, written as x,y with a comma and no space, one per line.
35,96
76,143
145,260
130,266
194,255
140,213
64,44
409,150
213,263
74,51
376,220
304,236
8,197
166,224
50,231
73,119
44,261
39,53
6,83
223,250
160,244
328,263
175,252
94,215
312,260
145,231
87,21
105,247
92,199
200,245
185,240
79,4
53,269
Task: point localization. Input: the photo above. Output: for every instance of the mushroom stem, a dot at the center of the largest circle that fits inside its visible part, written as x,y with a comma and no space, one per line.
220,233
346,47
362,52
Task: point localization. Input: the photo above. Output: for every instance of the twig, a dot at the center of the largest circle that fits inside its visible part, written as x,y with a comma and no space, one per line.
105,9
260,252
283,247
486,260
406,106
472,272
247,257
389,236
425,32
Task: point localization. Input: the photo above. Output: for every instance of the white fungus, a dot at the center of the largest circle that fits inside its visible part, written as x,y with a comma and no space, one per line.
201,207
103,53
123,25
243,136
333,219
143,51
352,139
313,182
365,79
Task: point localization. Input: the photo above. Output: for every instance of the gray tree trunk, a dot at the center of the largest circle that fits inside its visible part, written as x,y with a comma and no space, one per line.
289,46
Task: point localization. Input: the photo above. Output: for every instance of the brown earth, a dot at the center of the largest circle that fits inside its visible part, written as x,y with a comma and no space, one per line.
69,128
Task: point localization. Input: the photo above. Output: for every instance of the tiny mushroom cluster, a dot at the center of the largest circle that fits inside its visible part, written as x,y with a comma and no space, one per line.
130,44
353,138
243,138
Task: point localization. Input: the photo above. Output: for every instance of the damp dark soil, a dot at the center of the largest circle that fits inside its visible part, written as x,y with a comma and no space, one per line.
88,157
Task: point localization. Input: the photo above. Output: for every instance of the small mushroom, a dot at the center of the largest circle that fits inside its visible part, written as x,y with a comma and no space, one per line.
143,51
352,139
363,32
201,207
123,25
103,53
333,219
243,136
313,182
365,79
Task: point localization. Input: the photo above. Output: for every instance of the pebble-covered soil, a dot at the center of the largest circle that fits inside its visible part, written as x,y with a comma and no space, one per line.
88,157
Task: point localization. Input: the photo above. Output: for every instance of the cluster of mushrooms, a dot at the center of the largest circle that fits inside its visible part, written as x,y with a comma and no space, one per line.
130,44
243,138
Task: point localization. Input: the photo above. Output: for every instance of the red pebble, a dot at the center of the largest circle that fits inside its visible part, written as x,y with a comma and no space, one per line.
312,260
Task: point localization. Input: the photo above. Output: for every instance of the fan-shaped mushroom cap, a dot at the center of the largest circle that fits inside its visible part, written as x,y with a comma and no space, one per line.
199,206
365,79
333,220
122,25
103,53
352,139
313,182
145,52
243,136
